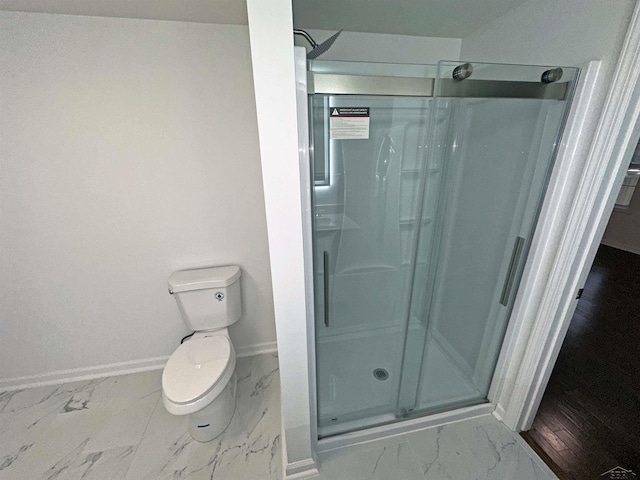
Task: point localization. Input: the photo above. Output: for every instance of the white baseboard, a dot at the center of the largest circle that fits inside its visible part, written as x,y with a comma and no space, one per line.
301,470
112,369
84,373
499,412
256,349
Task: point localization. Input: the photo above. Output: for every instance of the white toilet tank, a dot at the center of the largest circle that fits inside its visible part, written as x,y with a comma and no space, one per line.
208,298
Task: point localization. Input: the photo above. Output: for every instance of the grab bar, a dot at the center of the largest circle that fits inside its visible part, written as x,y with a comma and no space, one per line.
327,301
518,248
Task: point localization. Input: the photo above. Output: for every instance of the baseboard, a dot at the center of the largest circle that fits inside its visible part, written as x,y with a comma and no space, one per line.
621,246
302,469
499,412
256,349
113,369
84,373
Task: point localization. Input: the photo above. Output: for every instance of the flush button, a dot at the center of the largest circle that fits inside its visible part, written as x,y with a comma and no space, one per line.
219,296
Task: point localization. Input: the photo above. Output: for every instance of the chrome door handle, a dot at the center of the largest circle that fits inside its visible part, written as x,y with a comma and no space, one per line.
518,248
327,300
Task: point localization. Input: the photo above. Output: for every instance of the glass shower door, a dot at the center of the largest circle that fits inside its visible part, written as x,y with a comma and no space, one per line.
496,151
367,188
424,208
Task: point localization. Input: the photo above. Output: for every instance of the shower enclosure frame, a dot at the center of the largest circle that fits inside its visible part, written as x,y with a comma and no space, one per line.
499,387
566,249
369,84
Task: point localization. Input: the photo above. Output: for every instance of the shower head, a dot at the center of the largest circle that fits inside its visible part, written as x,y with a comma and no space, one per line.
323,47
317,49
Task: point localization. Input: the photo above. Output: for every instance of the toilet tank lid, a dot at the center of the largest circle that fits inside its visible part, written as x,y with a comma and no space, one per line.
201,278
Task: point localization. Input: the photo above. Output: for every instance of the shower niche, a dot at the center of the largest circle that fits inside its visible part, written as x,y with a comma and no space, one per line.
427,183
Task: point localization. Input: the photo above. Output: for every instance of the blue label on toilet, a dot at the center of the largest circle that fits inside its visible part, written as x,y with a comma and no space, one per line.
204,426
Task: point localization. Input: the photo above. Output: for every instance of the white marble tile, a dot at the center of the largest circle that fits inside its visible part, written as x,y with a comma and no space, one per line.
441,454
249,448
19,433
83,395
114,392
477,449
123,426
393,462
45,398
24,414
167,451
72,437
498,453
390,459
50,431
110,464
118,429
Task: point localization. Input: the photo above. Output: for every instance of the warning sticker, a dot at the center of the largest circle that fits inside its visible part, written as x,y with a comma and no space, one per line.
348,123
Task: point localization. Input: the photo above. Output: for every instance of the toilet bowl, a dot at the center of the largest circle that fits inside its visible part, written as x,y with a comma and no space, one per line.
199,379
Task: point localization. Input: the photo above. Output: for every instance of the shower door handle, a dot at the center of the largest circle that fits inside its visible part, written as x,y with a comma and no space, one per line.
327,300
518,248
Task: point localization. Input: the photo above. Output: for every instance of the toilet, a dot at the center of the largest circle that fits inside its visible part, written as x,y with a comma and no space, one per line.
199,379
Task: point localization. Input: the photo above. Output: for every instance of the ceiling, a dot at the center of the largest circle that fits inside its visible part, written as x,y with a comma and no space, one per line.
430,18
204,11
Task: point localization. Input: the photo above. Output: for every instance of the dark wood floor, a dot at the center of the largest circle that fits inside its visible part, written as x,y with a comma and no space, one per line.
589,419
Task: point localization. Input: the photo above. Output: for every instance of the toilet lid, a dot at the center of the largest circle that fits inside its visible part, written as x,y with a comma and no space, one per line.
195,368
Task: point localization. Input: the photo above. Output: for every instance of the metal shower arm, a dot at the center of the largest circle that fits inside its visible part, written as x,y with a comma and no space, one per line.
306,36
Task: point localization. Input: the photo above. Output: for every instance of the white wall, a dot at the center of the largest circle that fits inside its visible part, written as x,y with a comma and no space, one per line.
273,63
128,150
378,47
548,32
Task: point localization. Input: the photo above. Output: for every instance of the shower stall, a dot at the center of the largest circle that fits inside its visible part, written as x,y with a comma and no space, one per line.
426,182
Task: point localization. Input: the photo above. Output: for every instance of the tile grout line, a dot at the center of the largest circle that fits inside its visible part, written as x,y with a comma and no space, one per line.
146,427
415,456
537,460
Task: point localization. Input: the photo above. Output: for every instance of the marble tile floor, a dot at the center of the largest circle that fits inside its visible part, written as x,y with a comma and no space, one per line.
477,449
116,428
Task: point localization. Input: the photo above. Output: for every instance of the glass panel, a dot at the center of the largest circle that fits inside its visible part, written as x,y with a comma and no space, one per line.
364,232
424,211
491,160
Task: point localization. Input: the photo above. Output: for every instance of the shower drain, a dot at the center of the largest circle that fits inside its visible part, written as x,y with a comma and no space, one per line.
380,374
